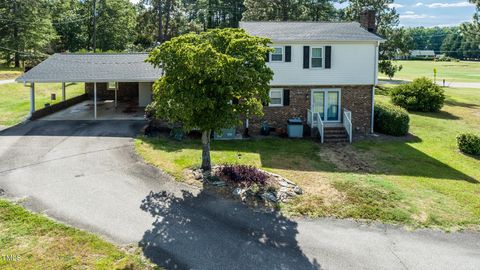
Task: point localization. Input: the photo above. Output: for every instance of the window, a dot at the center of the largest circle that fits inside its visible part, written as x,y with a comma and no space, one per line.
317,57
277,55
112,86
276,97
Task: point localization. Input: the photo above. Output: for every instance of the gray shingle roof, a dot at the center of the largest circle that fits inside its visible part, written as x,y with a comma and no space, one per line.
125,67
309,31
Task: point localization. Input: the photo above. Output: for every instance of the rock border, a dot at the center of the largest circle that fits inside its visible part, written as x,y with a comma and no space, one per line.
279,189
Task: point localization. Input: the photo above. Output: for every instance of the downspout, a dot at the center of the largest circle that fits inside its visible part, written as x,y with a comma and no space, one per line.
375,82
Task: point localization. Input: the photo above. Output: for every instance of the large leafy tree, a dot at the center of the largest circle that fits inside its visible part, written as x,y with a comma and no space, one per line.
26,30
211,81
387,21
115,24
472,30
71,21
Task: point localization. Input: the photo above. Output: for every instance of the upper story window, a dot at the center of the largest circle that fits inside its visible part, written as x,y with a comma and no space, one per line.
317,57
276,97
112,86
277,55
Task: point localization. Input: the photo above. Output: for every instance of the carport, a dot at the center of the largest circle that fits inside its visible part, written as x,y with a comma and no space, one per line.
107,77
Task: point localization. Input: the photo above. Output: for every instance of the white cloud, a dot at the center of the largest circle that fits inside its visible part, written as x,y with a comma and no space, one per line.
394,5
419,4
416,16
409,12
450,5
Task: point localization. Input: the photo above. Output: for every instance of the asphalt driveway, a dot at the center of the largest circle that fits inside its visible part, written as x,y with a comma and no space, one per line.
86,173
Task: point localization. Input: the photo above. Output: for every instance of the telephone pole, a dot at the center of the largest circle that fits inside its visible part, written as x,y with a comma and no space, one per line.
94,26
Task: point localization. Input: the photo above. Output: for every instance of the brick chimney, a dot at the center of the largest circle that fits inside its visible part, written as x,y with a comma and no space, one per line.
367,19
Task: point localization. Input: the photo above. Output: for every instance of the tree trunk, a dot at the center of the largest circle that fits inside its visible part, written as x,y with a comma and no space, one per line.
285,10
160,21
168,9
15,37
206,162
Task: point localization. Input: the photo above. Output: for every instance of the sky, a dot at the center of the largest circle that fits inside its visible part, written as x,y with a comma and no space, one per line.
430,13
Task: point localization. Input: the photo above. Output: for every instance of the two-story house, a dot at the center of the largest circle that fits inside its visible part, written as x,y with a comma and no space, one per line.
324,73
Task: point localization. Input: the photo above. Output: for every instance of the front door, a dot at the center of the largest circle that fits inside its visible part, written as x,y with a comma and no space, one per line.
327,103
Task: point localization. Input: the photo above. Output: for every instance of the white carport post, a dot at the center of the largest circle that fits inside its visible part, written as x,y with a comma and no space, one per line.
63,91
32,98
95,101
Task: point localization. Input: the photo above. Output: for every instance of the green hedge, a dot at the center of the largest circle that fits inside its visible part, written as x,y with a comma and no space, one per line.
469,143
391,119
420,95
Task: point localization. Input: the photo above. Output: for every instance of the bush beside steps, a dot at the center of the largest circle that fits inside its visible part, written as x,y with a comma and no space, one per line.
391,119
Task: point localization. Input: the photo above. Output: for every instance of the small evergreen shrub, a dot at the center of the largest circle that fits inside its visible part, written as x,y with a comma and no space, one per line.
420,95
390,119
469,143
244,175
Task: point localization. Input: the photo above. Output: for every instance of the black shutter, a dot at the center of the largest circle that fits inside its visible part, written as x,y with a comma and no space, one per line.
267,57
328,56
286,97
288,53
306,56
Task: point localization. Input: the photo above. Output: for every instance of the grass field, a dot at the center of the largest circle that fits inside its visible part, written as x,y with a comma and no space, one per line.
7,73
422,181
15,99
41,243
450,71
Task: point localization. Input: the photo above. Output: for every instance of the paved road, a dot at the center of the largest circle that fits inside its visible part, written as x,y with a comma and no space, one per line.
6,81
447,83
87,174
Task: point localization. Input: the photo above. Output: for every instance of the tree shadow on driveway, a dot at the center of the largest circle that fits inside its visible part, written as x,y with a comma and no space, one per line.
204,232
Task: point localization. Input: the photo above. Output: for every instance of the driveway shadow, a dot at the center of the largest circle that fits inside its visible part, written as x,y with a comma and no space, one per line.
204,232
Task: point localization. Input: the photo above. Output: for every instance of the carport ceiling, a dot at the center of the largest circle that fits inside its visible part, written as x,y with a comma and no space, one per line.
125,67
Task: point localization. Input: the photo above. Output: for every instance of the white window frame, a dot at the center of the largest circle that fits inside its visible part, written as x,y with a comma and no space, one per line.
281,97
283,54
323,57
110,88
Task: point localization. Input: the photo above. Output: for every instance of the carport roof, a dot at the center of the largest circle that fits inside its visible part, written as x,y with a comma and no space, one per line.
121,67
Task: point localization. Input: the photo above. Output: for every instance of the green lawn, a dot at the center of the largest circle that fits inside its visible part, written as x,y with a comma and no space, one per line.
422,181
42,243
7,73
15,99
450,71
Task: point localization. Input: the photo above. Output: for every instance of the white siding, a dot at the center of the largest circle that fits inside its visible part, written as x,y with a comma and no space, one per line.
144,94
351,64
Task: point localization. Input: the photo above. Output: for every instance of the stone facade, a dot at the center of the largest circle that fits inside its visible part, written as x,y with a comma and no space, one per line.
126,91
356,98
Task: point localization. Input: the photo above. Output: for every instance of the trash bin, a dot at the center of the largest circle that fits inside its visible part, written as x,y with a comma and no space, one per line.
295,128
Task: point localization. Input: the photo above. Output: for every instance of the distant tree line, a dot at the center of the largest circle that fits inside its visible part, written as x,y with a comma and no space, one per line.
449,41
32,29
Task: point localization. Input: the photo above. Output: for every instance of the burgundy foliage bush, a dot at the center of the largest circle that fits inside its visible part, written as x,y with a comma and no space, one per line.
244,175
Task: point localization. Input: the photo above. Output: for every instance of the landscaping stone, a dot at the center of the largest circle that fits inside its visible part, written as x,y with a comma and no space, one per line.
278,189
219,183
270,197
238,192
298,190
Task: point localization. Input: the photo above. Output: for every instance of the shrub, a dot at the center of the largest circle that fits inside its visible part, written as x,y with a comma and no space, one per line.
420,95
244,175
469,143
391,119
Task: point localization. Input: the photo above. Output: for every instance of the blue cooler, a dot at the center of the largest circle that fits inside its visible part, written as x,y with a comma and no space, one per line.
295,128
